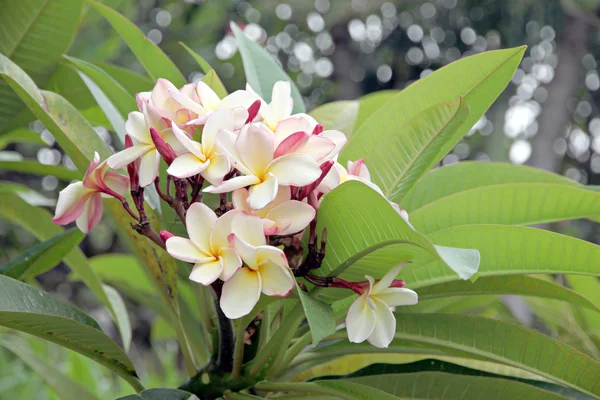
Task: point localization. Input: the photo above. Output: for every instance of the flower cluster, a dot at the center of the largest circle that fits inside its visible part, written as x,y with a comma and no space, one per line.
270,169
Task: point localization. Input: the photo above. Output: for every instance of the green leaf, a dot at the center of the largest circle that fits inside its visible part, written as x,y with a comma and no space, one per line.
518,285
589,287
65,387
131,81
204,66
371,103
33,311
507,204
478,79
26,194
505,343
262,71
35,33
122,316
338,115
213,81
159,394
152,58
36,168
21,135
341,389
359,221
43,256
319,316
443,181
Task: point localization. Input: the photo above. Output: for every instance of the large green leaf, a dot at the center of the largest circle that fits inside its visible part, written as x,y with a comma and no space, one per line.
43,256
131,81
338,115
519,285
507,204
340,389
34,34
33,311
211,78
152,58
159,394
262,71
372,102
121,315
449,180
589,287
36,168
319,316
64,386
478,79
359,221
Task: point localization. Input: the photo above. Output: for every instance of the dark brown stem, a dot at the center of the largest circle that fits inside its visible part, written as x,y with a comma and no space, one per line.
165,197
196,191
129,210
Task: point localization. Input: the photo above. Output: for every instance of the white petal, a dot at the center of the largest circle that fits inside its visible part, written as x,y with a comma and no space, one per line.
387,279
127,156
330,182
295,169
317,147
239,199
160,94
226,141
187,102
395,297
300,214
289,126
190,145
263,193
249,229
149,167
276,280
239,98
116,182
153,117
360,321
247,252
70,204
220,119
209,99
338,138
232,184
199,221
280,100
231,263
255,146
240,293
216,169
92,213
183,249
187,165
219,235
206,273
385,326
136,127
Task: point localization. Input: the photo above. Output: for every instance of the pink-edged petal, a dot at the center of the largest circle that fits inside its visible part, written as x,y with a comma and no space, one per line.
248,228
71,202
263,193
317,147
220,119
187,165
231,262
233,184
187,102
387,279
92,213
275,228
169,137
161,96
141,98
149,167
394,297
240,293
338,138
208,98
246,251
256,147
129,155
385,326
240,117
295,169
298,214
291,144
217,169
153,117
331,181
183,249
190,145
116,182
239,199
219,235
239,98
226,143
360,321
206,273
199,222
136,127
291,125
359,169
276,280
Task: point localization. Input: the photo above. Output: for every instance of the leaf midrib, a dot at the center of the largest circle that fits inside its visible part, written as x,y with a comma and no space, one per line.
28,30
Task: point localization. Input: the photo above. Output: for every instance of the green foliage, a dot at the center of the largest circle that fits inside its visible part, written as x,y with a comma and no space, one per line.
159,394
319,316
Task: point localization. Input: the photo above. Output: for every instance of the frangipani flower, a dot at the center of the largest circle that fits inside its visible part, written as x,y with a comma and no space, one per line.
204,158
253,153
282,216
208,247
138,126
266,269
370,317
280,107
82,201
165,105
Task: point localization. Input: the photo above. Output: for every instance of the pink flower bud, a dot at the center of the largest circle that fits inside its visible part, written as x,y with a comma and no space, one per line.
325,168
253,111
317,129
165,235
164,149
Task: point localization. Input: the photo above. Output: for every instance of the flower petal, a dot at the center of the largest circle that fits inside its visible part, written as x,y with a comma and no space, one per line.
249,229
219,235
183,249
239,98
136,127
233,184
263,193
395,297
71,203
206,273
317,147
292,144
199,221
187,102
255,145
129,155
298,213
160,94
187,165
385,326
338,138
291,125
276,280
190,145
220,119
387,279
247,252
116,182
217,169
239,199
92,213
360,321
231,262
226,141
281,106
240,293
209,99
295,169
149,167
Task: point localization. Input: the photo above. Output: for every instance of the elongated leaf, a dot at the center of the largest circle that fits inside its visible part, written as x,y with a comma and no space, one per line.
43,256
518,285
359,221
341,389
262,71
338,115
159,394
36,168
26,194
508,204
34,35
455,178
478,79
131,81
589,287
121,314
213,81
156,63
204,66
319,316
21,135
33,311
371,103
64,386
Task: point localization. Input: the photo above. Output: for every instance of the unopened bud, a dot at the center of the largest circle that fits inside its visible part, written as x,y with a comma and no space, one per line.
317,129
325,168
165,235
253,111
164,149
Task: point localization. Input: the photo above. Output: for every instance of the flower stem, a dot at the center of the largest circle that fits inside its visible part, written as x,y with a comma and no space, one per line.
224,361
238,353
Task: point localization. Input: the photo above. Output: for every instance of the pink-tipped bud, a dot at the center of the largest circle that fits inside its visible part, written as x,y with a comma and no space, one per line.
133,168
165,235
318,129
397,283
164,149
253,111
325,168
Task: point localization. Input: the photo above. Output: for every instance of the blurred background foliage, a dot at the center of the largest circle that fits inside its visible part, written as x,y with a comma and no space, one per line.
335,50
